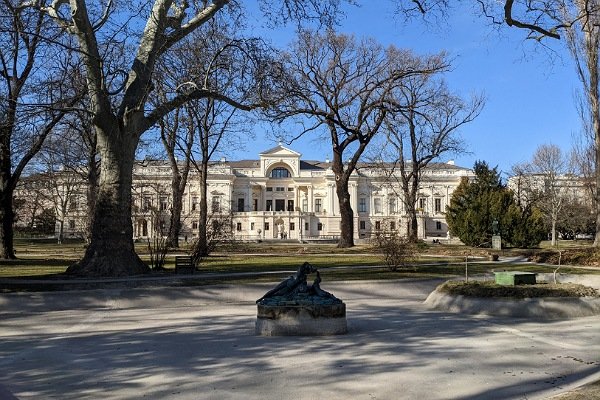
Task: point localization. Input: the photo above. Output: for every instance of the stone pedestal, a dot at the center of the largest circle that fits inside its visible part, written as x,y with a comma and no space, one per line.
301,319
496,242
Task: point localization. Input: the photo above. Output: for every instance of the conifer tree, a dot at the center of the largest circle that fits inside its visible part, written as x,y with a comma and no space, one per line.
475,205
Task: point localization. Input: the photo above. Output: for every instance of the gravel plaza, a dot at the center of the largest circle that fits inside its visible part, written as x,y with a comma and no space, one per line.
199,343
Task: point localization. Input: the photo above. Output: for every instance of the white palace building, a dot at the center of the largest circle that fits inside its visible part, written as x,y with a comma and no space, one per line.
280,196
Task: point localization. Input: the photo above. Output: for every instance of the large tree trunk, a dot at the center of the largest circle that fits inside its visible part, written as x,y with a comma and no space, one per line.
595,106
61,230
93,175
346,213
7,216
175,217
597,176
202,244
410,188
111,251
591,60
413,226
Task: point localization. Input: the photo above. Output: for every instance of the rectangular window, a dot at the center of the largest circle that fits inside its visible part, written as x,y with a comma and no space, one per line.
306,226
72,203
362,225
319,226
163,203
71,224
393,225
194,203
438,225
194,225
290,205
378,225
269,189
269,205
304,205
292,226
438,205
255,204
393,208
279,205
290,189
318,205
238,227
240,205
280,189
147,204
251,226
362,204
266,226
377,205
422,204
216,204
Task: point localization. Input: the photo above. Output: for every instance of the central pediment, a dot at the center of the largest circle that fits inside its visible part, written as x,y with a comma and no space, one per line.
280,157
280,151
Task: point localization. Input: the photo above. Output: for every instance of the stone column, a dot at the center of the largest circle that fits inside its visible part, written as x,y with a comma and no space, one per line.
332,198
248,205
421,231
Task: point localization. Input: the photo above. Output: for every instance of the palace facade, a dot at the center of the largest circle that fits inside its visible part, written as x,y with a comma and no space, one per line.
281,196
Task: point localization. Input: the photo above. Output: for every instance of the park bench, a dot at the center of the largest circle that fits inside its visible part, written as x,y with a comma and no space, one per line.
184,265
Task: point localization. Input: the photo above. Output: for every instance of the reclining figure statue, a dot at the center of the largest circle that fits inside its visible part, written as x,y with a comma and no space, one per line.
296,286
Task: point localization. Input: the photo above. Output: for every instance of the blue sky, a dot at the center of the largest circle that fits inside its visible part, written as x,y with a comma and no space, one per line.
529,90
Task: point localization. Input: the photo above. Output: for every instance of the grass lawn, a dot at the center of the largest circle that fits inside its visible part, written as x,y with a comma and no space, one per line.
46,257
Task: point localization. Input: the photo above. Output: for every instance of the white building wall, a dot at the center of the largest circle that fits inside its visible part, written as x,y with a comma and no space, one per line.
306,186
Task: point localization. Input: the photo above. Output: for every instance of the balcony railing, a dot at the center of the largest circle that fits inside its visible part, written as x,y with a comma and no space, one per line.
273,213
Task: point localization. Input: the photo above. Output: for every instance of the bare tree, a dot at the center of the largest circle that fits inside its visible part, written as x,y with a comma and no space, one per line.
29,202
177,138
119,101
583,41
33,99
544,183
218,124
583,162
575,21
63,190
214,57
72,149
421,129
346,88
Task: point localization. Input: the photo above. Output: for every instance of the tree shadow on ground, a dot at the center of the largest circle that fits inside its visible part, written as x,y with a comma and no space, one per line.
172,344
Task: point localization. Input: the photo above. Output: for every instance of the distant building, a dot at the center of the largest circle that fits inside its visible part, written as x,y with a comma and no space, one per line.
281,196
568,186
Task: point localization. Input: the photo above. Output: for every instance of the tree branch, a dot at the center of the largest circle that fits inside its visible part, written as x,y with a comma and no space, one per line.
161,110
508,5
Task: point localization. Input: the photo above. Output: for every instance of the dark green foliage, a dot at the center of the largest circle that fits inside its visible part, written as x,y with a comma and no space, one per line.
45,221
475,205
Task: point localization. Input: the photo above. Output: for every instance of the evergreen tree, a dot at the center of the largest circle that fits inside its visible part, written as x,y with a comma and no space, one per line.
475,205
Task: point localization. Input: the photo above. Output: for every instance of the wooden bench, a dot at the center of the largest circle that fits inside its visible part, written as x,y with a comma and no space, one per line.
184,265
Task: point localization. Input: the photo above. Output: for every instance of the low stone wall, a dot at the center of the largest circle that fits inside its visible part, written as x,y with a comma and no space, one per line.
538,308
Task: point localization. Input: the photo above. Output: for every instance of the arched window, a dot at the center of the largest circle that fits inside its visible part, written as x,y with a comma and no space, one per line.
280,172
